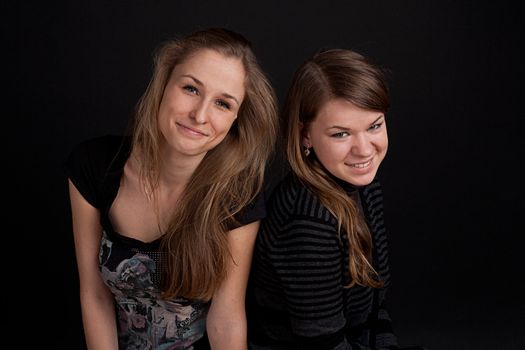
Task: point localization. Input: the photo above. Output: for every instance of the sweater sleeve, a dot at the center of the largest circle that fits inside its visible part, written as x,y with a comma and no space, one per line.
381,327
308,262
384,334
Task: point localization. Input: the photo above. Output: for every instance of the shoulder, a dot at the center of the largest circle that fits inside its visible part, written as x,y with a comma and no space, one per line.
372,203
98,152
297,221
256,210
92,160
100,146
291,197
372,192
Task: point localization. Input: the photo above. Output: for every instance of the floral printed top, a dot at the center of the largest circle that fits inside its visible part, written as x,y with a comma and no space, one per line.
145,320
132,268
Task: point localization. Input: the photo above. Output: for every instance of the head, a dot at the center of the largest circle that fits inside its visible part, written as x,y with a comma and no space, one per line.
238,114
335,109
334,124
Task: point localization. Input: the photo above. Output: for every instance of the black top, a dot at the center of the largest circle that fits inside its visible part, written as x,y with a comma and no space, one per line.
296,297
132,268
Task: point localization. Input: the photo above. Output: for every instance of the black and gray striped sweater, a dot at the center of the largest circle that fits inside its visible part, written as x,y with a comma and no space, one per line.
296,295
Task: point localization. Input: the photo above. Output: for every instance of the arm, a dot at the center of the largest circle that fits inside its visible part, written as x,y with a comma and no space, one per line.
381,327
385,337
226,321
308,262
97,303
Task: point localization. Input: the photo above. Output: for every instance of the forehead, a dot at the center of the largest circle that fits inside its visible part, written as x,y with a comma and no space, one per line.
214,69
340,112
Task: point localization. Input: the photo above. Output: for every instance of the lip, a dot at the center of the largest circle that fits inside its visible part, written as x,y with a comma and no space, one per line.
360,165
191,131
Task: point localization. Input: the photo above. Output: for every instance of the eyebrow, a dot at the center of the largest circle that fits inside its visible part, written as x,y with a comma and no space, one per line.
343,128
197,81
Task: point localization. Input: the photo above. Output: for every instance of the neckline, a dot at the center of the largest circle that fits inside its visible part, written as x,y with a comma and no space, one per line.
134,242
111,187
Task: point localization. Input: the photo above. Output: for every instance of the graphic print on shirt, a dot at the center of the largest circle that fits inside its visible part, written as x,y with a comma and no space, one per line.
145,320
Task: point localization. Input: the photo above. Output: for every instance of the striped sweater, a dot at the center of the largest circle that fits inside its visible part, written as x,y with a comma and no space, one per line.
296,295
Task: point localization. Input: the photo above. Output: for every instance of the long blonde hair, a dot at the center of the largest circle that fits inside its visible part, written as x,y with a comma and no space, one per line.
227,180
335,73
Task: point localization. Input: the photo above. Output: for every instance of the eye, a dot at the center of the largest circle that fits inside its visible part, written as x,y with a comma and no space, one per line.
340,134
376,126
191,89
223,104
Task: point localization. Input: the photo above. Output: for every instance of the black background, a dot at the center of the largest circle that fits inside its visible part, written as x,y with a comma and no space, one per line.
452,179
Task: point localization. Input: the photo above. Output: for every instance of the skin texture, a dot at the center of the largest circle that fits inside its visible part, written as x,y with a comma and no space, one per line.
200,103
349,141
226,322
96,301
198,108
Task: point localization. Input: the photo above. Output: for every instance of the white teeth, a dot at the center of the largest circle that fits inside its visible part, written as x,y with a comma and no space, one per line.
361,165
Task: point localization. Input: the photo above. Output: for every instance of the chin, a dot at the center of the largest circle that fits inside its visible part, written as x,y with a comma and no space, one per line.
360,181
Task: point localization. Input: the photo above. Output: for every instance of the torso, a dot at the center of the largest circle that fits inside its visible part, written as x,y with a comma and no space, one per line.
131,261
300,262
132,267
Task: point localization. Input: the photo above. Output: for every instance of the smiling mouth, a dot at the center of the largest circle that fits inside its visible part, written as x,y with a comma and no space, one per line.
191,130
360,165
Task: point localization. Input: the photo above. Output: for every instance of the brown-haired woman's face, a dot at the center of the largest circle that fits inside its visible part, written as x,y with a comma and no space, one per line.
349,141
201,101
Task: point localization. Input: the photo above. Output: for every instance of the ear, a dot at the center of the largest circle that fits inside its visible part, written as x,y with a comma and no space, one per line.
305,134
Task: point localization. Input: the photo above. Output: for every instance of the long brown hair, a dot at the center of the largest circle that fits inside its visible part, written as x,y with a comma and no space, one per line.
229,177
328,74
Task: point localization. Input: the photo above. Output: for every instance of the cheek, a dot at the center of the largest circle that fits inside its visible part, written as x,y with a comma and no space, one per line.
382,143
162,121
223,125
330,152
164,113
378,140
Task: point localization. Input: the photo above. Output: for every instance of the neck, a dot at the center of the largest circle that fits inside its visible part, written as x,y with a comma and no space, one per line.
176,169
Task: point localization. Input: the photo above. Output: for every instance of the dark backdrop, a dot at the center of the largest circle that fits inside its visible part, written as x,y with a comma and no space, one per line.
452,179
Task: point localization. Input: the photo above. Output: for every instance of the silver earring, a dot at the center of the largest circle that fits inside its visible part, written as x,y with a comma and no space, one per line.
306,152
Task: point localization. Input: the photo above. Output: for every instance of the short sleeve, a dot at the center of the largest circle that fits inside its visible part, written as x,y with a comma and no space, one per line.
254,211
79,169
91,162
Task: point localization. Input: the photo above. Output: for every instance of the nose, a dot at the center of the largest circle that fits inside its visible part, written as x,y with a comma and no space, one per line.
362,145
199,112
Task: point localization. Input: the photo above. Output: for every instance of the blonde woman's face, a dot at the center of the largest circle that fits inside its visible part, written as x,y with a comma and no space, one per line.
349,141
200,102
